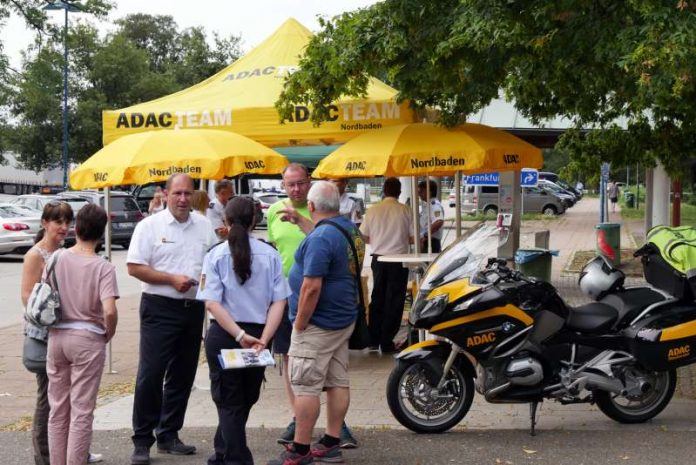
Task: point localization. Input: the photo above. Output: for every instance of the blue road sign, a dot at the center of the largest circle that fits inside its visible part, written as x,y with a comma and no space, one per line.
488,179
528,178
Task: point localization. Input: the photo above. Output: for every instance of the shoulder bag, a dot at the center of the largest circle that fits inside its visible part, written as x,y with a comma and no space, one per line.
43,305
360,338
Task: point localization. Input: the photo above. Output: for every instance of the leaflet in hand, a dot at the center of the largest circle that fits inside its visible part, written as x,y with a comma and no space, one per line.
244,358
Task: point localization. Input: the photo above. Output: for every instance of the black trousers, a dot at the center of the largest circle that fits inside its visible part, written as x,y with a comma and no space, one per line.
170,341
387,303
435,245
234,392
39,426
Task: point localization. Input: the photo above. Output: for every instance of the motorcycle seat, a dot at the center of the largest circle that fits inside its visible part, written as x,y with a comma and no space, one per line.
630,302
592,318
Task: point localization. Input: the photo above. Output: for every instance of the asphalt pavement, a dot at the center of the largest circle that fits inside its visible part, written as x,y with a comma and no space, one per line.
393,447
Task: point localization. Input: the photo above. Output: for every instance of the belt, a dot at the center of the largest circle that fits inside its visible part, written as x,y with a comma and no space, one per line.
185,303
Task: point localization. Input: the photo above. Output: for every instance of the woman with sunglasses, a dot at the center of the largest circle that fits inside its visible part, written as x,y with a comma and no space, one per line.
55,223
245,292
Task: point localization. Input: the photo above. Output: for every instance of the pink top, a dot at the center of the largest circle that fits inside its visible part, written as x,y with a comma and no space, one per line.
83,282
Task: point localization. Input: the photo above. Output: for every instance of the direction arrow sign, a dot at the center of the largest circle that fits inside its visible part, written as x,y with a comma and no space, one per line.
529,177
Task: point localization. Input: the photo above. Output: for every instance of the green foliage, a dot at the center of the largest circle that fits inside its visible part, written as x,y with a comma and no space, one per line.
590,61
136,63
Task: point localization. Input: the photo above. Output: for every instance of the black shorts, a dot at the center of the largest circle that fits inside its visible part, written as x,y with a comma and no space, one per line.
281,340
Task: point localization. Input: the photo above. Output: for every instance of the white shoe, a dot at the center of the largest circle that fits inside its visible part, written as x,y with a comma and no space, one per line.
94,458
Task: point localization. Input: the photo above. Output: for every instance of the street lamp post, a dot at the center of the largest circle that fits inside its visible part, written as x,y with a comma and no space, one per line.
67,7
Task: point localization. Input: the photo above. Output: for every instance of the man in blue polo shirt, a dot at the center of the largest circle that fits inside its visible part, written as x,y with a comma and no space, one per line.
323,308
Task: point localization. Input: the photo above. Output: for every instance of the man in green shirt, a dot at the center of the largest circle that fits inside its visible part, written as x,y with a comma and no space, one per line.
285,233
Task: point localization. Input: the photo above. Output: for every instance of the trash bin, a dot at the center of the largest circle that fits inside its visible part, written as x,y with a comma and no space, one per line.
609,242
630,199
535,263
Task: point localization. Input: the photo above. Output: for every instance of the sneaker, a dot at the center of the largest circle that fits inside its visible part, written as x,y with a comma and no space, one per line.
94,458
347,441
175,447
323,454
141,456
290,457
288,435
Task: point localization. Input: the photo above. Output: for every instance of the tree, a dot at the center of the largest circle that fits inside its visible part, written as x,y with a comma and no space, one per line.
592,61
130,66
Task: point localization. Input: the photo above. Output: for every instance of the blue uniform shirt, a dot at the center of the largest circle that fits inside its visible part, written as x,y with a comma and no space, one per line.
246,303
325,253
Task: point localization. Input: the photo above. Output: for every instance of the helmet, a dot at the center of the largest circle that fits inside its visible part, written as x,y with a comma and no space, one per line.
599,277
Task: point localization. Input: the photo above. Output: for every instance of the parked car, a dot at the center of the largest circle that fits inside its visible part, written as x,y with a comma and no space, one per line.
567,197
266,199
144,194
125,213
536,200
18,228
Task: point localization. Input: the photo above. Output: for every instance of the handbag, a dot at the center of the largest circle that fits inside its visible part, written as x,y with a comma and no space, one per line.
34,354
360,338
43,305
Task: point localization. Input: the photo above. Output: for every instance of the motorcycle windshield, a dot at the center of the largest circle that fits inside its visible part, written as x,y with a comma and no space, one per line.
464,257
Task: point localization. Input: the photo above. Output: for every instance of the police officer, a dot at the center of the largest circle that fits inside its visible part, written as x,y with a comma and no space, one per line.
166,254
245,291
434,222
224,191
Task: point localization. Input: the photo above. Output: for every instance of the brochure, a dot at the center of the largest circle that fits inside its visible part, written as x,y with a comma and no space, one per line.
245,358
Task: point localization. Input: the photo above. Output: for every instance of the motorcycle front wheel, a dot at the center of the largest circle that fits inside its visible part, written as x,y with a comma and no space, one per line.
642,407
415,403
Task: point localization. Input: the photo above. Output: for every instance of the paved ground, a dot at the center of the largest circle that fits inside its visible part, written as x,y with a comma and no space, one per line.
393,447
489,434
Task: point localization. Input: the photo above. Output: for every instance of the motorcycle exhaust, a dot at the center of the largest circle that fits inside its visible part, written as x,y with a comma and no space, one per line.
491,394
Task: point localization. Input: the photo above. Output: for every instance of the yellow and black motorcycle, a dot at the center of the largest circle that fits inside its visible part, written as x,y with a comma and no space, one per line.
514,340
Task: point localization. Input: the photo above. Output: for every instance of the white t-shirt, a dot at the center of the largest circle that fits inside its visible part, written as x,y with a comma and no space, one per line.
164,244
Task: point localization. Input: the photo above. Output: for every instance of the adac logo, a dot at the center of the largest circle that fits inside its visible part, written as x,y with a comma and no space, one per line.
480,339
511,159
679,352
356,166
254,164
100,177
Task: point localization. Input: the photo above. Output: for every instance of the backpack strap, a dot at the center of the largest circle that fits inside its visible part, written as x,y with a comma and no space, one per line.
355,256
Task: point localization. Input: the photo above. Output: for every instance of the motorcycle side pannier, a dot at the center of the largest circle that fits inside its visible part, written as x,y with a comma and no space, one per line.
665,340
669,260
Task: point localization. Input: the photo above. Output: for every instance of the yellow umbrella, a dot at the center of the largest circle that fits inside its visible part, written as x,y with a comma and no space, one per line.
154,156
420,149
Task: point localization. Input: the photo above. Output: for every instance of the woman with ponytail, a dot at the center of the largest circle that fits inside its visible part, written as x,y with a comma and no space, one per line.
245,293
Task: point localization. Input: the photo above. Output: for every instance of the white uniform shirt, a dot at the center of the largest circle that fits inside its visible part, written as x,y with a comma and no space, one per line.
389,226
349,208
162,243
215,213
436,213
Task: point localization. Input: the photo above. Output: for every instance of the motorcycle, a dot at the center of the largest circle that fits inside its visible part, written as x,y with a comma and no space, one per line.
513,339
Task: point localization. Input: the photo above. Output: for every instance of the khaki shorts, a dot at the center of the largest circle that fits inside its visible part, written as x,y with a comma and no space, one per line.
319,359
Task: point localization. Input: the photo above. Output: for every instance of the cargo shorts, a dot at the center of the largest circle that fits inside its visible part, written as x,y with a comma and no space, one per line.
319,359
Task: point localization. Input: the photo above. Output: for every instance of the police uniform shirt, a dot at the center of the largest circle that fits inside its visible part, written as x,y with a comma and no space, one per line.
248,302
216,213
437,213
349,208
164,244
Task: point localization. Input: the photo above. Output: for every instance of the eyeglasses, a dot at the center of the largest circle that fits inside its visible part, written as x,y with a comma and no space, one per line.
290,185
